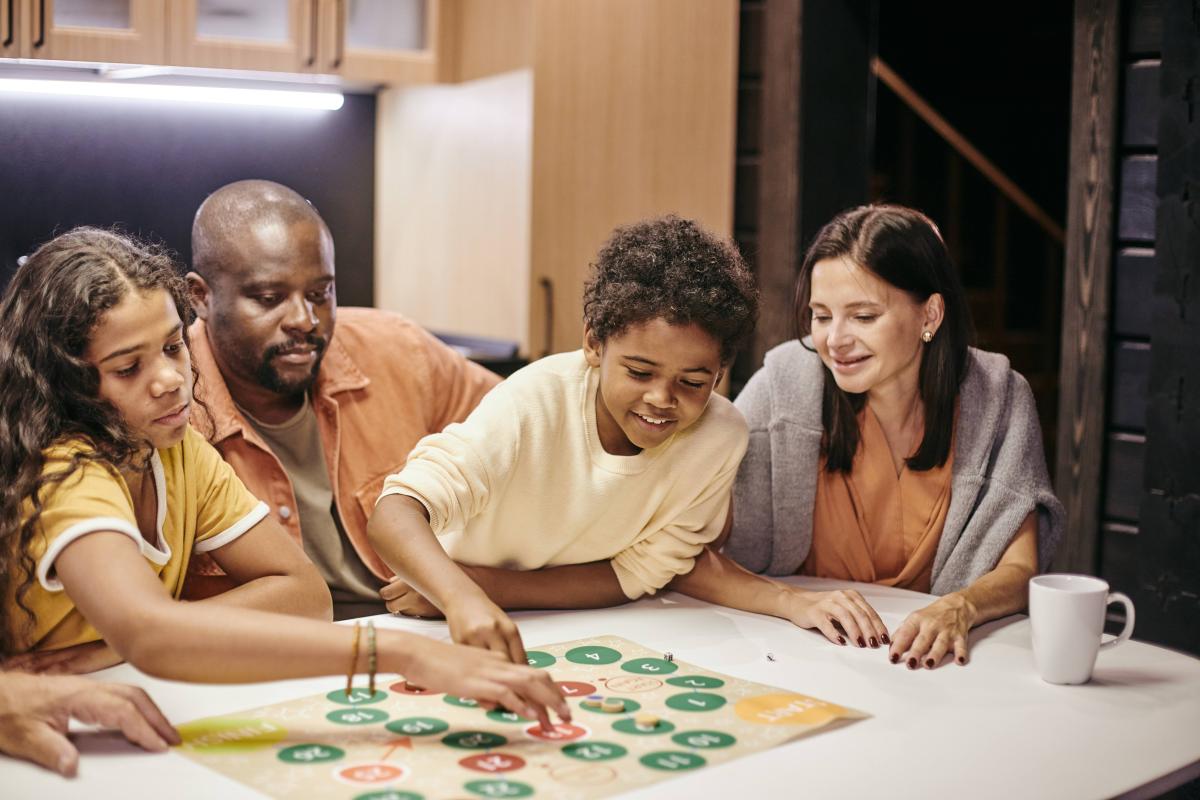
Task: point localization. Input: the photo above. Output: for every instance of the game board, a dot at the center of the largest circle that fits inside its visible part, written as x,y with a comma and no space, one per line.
405,743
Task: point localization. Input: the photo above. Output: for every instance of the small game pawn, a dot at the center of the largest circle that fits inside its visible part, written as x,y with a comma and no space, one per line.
645,722
613,705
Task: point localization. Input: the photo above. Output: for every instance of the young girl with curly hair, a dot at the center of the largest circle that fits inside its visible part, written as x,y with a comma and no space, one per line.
106,493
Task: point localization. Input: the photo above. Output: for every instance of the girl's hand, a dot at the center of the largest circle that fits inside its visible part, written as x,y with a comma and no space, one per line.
401,598
36,709
842,615
74,660
486,676
477,621
928,634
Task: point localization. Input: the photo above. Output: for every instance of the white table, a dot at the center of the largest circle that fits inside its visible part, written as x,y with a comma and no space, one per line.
990,729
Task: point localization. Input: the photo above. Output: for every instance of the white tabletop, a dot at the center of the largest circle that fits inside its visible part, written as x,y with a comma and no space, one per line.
989,729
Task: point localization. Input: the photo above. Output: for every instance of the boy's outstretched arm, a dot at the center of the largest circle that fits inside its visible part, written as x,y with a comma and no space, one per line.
720,580
399,531
593,585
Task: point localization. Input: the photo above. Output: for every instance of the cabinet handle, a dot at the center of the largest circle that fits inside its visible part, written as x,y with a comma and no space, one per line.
339,39
312,38
41,18
548,296
8,20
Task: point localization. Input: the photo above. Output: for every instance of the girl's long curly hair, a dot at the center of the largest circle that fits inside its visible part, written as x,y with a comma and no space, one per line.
49,393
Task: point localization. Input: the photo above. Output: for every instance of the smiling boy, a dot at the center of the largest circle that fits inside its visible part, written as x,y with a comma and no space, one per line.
588,478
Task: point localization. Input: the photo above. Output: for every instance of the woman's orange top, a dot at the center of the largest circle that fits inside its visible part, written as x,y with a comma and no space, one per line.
875,526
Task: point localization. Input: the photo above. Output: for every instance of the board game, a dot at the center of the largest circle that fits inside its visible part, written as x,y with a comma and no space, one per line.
639,717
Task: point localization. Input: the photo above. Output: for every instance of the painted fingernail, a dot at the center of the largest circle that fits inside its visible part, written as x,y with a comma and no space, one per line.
873,642
861,643
929,663
895,658
961,660
884,638
841,640
912,663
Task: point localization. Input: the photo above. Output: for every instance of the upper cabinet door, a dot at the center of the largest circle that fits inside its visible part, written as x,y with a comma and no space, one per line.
113,31
276,35
379,41
11,21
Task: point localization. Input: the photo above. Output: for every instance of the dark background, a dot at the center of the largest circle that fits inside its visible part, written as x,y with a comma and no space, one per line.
146,166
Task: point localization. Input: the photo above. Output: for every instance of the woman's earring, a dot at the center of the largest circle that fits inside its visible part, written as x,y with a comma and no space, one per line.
927,336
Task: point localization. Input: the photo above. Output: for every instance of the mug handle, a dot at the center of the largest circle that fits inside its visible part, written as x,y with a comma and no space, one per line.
1127,631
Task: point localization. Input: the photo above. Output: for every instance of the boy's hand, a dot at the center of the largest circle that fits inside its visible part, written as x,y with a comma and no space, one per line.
487,677
477,621
401,598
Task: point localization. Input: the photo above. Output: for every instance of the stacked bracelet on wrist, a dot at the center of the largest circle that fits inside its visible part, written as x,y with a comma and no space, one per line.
371,663
353,663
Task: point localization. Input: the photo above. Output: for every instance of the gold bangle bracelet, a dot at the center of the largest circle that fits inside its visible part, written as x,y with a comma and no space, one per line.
353,662
371,661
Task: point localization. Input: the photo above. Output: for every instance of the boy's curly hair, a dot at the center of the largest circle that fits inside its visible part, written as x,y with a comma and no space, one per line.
671,268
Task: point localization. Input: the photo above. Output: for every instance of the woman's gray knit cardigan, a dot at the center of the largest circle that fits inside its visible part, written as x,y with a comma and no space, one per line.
999,471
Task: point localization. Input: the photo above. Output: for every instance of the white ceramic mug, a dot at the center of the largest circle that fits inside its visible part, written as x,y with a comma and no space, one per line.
1067,614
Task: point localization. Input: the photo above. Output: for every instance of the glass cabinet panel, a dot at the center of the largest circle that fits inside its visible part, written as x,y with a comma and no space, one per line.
250,20
113,14
385,24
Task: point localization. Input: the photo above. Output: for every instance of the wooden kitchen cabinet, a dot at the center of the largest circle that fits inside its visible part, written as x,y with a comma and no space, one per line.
106,31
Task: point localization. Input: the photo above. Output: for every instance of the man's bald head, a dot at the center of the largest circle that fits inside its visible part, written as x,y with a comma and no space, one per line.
263,281
245,217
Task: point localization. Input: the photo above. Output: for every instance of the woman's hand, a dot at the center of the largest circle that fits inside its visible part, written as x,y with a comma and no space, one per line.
486,676
843,615
36,709
928,634
74,660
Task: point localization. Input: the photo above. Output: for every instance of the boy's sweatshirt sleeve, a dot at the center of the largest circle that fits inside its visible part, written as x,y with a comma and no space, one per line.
455,472
653,561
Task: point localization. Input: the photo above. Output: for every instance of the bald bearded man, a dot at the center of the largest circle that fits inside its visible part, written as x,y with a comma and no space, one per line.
311,421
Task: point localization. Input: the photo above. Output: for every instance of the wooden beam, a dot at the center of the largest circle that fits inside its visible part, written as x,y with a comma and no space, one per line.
968,151
1089,246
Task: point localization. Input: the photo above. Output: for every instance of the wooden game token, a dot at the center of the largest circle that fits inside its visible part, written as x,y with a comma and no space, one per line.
612,706
645,722
594,704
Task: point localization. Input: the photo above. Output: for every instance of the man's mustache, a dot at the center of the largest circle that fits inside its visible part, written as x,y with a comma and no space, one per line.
313,340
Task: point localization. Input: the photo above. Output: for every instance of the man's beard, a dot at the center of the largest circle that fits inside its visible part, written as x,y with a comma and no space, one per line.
270,379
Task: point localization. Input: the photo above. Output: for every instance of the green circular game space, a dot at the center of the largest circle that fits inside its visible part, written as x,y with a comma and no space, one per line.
474,740
630,707
461,702
359,696
418,726
696,682
390,794
499,788
594,751
703,740
672,761
593,654
310,753
539,659
650,666
628,725
695,701
356,716
500,715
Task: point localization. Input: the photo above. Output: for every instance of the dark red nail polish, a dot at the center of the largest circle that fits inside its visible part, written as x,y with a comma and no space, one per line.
961,660
884,638
894,658
929,663
841,640
861,643
912,663
873,642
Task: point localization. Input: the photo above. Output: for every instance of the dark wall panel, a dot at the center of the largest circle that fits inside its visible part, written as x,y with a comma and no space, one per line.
1130,381
1139,128
1123,479
1133,298
1135,219
147,166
